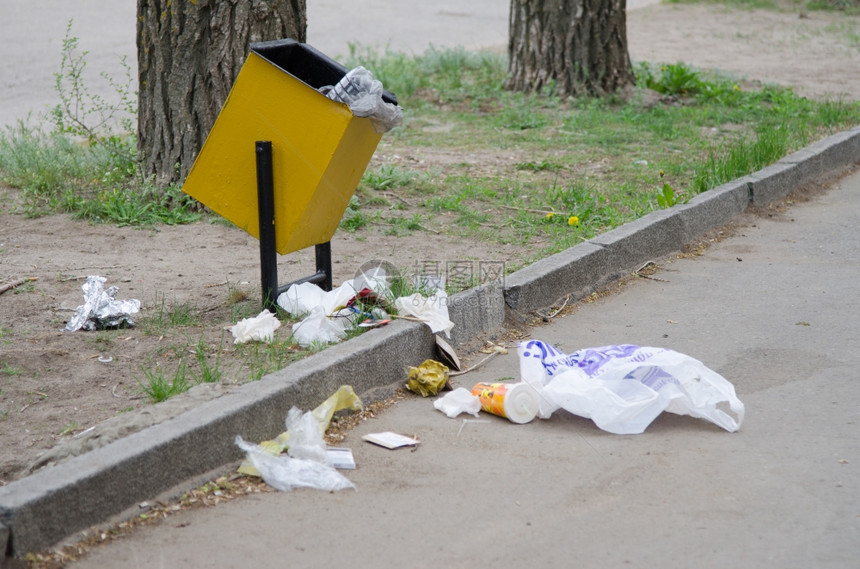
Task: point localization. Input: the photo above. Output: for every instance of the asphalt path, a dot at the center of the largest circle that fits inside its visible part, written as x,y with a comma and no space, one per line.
772,307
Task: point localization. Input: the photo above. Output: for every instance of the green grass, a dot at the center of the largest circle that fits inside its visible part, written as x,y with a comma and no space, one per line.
603,161
159,385
163,317
86,163
10,370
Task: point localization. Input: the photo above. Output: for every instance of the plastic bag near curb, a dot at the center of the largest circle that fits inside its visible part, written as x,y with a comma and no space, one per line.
363,94
285,473
624,388
260,328
343,398
100,309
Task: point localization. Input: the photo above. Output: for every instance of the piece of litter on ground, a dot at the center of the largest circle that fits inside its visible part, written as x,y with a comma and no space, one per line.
390,440
341,458
100,309
469,421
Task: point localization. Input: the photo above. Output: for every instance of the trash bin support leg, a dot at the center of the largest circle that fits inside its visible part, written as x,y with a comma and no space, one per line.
268,252
323,257
266,211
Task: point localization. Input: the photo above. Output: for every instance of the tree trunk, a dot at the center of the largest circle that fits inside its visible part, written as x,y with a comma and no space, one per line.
577,46
189,52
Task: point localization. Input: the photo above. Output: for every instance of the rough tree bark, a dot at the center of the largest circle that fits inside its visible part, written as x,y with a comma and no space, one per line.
189,53
579,46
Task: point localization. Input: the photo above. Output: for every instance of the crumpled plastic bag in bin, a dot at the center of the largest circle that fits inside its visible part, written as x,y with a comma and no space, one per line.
363,94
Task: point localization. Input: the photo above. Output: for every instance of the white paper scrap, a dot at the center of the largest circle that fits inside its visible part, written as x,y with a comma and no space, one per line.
390,440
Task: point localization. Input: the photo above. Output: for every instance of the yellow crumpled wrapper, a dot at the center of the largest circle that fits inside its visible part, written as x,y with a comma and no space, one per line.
429,378
343,398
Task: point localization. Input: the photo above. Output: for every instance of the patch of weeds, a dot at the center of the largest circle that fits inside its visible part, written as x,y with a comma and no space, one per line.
743,4
388,176
353,218
670,79
25,288
850,7
543,165
521,112
70,428
162,318
184,314
571,197
103,339
10,370
208,373
445,203
740,158
261,358
158,387
666,196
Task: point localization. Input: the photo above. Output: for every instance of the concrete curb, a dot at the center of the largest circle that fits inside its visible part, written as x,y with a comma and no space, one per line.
54,503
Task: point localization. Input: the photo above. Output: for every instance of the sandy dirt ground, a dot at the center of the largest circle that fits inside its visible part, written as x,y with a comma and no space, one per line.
55,385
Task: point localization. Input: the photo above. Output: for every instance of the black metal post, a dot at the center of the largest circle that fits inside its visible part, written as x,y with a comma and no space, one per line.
266,210
323,257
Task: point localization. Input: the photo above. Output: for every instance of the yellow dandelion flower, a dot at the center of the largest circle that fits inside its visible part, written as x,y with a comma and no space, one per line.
549,216
736,87
572,220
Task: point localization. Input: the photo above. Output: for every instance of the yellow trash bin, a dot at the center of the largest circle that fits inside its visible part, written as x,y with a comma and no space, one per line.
319,149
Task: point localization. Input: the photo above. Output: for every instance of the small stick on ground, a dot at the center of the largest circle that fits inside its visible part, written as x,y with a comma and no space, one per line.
16,284
474,367
540,211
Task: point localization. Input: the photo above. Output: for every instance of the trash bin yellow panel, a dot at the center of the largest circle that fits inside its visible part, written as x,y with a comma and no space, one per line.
319,153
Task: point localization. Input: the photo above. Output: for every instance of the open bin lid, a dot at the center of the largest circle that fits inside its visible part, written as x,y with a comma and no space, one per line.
306,64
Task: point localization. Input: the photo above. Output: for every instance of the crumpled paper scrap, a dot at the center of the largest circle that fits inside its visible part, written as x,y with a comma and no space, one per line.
429,378
458,401
260,328
433,310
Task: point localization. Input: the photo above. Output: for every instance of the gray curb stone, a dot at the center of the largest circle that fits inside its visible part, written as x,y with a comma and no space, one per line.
714,208
54,503
654,235
578,271
476,311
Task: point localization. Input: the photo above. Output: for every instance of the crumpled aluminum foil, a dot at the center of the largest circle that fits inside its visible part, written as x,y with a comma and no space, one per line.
100,310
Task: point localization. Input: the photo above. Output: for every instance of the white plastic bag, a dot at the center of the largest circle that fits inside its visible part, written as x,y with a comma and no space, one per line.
318,327
306,439
623,388
432,310
261,328
458,401
363,94
300,299
285,473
